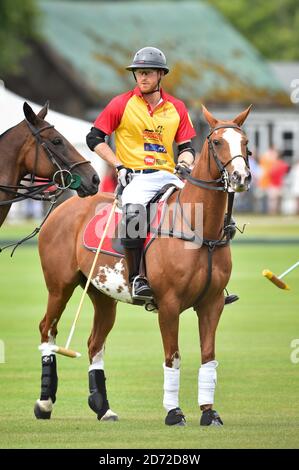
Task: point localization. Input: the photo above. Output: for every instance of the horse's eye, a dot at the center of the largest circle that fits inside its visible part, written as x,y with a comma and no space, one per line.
57,141
216,142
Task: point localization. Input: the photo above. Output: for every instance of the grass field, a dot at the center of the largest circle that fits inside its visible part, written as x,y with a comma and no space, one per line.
257,391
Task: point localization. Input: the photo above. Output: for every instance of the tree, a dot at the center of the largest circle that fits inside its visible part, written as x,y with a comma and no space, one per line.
18,23
272,26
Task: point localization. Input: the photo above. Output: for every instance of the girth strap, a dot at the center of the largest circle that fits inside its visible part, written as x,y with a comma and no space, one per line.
209,278
211,244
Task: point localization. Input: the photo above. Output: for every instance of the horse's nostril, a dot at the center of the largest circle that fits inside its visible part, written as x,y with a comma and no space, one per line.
95,179
236,177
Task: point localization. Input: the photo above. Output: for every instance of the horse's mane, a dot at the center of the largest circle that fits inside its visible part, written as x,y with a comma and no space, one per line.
6,132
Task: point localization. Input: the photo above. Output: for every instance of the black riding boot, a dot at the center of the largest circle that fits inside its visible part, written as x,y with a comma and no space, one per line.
134,226
140,288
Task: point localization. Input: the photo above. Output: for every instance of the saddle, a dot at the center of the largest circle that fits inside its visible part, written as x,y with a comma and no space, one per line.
112,244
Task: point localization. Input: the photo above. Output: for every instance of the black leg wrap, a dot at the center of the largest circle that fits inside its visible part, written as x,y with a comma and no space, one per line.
49,379
97,399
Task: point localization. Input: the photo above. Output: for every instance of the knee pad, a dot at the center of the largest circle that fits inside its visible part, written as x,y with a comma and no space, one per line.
134,222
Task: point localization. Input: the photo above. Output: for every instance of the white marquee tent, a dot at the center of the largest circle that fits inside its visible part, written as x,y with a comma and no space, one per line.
75,130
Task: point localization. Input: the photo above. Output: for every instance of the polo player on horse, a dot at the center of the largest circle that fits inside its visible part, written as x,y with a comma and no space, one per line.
146,122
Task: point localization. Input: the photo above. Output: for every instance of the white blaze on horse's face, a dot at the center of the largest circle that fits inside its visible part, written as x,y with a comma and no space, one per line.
240,176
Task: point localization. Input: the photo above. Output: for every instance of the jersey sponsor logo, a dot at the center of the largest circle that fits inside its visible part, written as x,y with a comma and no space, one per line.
154,148
159,161
149,160
153,134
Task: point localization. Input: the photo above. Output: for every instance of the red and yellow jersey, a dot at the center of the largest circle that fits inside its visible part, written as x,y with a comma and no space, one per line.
144,137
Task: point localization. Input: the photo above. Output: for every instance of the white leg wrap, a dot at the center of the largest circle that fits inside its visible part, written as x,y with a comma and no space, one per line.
207,379
98,360
171,387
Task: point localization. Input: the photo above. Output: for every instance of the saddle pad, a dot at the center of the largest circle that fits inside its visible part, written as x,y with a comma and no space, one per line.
94,230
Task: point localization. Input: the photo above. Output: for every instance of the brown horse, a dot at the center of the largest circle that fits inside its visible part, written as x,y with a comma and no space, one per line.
192,278
34,147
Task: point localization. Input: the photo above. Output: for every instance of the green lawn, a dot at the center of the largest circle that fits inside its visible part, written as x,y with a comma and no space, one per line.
257,391
257,226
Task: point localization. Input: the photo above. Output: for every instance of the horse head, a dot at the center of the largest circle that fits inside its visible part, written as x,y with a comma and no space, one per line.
50,155
227,143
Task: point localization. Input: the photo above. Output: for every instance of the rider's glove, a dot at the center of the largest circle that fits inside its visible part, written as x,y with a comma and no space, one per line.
182,167
185,162
122,175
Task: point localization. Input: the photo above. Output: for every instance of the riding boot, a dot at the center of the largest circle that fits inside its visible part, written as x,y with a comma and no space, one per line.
139,284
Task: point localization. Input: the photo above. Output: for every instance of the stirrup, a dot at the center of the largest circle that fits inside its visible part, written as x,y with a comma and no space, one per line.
143,292
229,299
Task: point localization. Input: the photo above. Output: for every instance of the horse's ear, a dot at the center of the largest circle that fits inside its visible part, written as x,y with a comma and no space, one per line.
242,116
29,114
43,112
209,117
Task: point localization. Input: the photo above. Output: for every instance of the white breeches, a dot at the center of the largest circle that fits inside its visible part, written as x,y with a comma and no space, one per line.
145,185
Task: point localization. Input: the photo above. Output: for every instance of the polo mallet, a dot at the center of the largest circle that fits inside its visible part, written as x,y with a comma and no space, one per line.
66,351
277,279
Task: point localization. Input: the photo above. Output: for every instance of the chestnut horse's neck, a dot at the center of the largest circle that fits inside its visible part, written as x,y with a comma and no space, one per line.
11,171
213,202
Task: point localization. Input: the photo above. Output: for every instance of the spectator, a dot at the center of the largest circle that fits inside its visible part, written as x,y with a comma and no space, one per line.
267,160
276,178
294,185
108,183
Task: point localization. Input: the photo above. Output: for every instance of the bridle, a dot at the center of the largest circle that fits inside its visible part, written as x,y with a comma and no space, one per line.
222,183
37,191
64,168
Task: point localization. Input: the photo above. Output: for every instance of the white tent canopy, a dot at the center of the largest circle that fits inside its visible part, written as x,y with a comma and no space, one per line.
73,129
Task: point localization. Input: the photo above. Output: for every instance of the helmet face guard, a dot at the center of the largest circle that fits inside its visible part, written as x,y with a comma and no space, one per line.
149,58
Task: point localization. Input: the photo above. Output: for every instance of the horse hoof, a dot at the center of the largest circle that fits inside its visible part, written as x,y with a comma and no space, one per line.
109,416
210,418
175,417
43,409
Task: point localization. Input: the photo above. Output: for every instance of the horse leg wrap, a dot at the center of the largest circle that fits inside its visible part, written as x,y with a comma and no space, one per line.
97,399
171,387
207,379
49,379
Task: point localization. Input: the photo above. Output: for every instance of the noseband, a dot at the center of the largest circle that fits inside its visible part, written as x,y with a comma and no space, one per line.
223,181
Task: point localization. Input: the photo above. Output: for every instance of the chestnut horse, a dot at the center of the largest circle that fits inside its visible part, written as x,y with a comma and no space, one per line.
192,278
34,147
